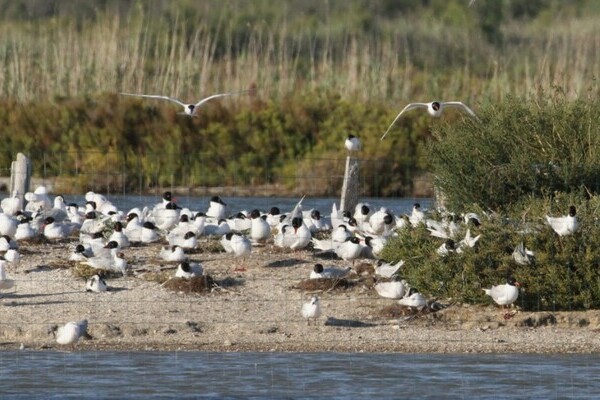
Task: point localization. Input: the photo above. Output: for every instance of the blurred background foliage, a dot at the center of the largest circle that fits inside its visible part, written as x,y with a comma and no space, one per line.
322,69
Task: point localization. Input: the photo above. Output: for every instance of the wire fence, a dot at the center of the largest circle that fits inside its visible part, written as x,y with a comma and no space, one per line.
204,173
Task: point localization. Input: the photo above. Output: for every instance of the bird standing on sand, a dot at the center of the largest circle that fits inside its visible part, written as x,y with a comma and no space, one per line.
505,294
435,109
188,109
311,310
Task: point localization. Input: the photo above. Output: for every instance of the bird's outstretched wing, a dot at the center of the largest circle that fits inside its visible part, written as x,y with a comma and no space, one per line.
214,96
156,96
405,109
460,104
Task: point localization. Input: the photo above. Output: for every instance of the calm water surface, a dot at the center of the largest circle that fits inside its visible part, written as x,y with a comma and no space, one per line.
235,204
297,375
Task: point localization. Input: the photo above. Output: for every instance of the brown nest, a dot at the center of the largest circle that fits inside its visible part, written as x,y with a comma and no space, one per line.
323,284
198,284
396,311
85,271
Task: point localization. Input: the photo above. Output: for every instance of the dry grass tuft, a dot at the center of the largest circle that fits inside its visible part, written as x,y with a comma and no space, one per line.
199,284
85,271
323,284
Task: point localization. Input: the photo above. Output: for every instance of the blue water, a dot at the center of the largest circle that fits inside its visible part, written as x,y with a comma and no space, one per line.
234,204
49,374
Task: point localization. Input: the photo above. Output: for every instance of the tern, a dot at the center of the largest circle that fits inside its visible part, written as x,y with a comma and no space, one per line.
434,109
188,109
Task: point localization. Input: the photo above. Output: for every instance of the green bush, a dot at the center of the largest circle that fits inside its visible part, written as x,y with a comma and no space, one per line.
518,149
565,274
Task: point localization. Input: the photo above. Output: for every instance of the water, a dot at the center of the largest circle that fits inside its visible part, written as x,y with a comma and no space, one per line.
296,375
234,204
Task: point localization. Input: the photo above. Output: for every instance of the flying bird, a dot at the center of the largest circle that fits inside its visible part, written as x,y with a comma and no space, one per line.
188,109
435,109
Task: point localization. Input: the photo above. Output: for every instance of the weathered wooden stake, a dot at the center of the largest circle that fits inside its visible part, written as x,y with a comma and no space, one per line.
20,176
350,188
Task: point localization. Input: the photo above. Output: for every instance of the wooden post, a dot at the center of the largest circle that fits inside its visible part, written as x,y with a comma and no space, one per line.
20,176
350,189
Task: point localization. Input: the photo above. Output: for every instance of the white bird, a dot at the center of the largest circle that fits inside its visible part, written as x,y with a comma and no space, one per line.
387,270
413,299
240,247
505,294
467,242
81,253
11,205
12,256
188,109
188,270
216,208
522,255
119,235
330,272
70,332
166,217
446,248
186,241
352,143
311,309
24,231
395,289
565,225
149,233
217,229
173,254
435,109
350,250
6,243
362,212
96,284
5,283
56,230
8,225
417,215
260,230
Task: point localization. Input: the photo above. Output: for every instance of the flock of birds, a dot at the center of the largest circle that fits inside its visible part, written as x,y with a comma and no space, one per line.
350,235
103,232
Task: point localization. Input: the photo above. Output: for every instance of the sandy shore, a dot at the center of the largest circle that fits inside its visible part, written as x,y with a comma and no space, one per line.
259,310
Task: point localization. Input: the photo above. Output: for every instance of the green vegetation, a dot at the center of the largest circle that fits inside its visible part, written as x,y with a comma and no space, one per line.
322,70
565,274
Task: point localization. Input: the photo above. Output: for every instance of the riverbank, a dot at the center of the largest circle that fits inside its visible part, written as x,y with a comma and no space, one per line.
259,310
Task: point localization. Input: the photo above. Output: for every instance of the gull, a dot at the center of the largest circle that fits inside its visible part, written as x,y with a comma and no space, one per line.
70,332
413,299
522,255
434,109
187,270
240,247
350,250
565,225
260,230
311,309
330,272
188,109
387,270
395,289
505,294
96,284
352,143
173,254
417,215
5,283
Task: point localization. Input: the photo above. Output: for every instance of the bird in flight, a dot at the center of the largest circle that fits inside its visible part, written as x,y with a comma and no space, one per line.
188,109
434,109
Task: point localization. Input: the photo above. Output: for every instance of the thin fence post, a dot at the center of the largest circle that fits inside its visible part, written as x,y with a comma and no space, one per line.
350,186
20,176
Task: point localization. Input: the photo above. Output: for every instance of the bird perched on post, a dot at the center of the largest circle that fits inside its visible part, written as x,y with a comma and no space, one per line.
352,143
